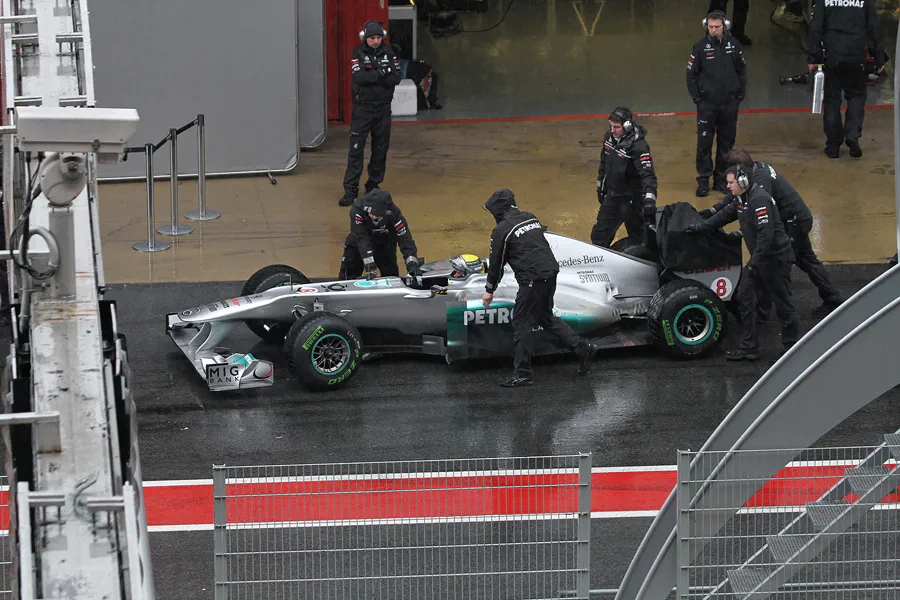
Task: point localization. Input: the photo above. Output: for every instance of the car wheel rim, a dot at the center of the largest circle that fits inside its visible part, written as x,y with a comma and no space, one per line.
330,354
693,324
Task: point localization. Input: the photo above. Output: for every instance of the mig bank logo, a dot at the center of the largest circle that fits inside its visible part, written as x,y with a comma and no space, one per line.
487,316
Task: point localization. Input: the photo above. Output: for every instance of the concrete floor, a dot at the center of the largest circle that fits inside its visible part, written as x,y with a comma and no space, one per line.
440,174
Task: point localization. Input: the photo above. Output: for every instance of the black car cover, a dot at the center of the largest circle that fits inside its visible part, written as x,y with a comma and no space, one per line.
680,251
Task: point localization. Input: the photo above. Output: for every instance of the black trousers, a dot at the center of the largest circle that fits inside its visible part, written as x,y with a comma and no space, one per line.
352,265
532,316
806,260
610,216
738,16
771,278
719,122
849,78
365,119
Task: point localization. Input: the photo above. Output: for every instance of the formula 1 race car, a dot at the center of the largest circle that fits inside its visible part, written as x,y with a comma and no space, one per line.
614,296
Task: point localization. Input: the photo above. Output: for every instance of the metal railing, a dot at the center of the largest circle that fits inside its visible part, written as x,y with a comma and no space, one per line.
201,214
827,526
510,528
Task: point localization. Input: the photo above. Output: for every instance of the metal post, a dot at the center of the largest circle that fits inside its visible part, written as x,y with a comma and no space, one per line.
174,228
62,225
220,532
26,561
151,245
203,214
896,139
583,557
683,524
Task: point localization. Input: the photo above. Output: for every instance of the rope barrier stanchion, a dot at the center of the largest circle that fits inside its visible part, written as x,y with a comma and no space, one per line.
151,245
203,214
174,228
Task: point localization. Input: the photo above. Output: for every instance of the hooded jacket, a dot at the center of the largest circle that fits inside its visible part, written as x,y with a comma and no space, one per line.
789,202
387,234
376,72
716,71
626,169
838,30
518,239
760,223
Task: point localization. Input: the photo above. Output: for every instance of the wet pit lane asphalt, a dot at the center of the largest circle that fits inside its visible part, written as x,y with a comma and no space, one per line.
635,408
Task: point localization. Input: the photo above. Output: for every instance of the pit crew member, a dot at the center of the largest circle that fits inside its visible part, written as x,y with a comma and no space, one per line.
717,82
518,239
797,220
626,181
769,268
377,228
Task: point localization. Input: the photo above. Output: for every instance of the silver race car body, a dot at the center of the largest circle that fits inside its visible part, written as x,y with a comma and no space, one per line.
601,293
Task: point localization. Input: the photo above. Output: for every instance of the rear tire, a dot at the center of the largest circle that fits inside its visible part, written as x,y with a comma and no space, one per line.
633,246
323,350
267,278
686,318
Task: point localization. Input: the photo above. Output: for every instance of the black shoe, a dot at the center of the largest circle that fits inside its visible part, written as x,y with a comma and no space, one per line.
516,381
720,186
826,308
740,354
702,187
855,150
346,201
371,186
743,39
832,152
587,360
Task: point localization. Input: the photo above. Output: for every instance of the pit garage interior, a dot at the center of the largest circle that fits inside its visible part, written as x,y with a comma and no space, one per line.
525,87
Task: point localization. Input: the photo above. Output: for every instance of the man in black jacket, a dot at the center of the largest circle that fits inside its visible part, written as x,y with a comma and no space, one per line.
769,268
837,39
717,82
377,227
626,181
798,222
376,72
518,239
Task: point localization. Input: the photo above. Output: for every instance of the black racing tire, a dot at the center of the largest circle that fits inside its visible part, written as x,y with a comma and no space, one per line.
633,246
686,318
323,350
267,278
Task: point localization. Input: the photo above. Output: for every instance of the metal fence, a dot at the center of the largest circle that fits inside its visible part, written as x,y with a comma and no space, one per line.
813,523
503,528
6,549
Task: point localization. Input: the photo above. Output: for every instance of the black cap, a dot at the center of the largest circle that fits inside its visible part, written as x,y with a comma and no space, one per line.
374,28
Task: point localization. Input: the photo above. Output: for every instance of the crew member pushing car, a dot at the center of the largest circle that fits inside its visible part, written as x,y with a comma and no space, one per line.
626,181
769,268
377,227
798,222
518,239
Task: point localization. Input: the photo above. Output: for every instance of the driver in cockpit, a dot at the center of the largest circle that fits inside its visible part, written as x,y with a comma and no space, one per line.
377,228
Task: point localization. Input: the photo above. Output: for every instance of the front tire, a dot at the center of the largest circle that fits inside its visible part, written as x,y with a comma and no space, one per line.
267,278
686,318
323,350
